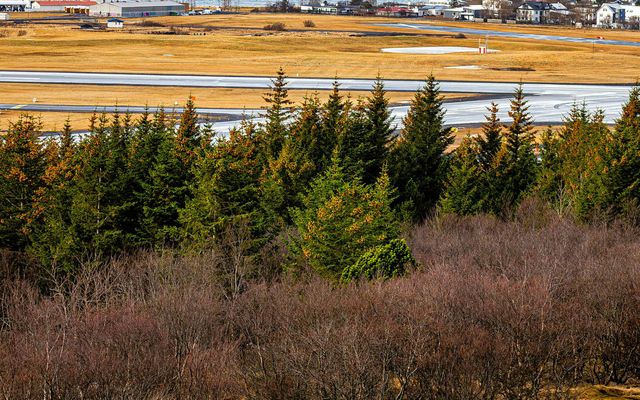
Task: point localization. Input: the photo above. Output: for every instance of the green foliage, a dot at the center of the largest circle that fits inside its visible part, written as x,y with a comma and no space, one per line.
226,188
464,192
419,164
341,219
288,176
276,127
385,261
613,187
516,165
22,167
157,182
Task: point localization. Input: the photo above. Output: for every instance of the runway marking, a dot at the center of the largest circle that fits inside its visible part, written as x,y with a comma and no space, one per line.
17,107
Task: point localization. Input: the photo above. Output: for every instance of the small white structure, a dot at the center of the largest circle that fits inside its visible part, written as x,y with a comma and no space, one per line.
115,23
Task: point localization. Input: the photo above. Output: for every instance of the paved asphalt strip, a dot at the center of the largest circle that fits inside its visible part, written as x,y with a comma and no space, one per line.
511,35
549,103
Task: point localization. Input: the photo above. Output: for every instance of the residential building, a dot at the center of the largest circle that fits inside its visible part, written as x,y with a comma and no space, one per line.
533,12
501,9
14,5
614,15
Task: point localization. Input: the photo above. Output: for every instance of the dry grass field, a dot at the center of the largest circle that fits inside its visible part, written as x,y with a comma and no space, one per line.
95,95
337,46
51,121
599,392
310,53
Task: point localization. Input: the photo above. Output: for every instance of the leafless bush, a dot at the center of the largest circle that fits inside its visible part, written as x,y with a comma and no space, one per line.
309,23
22,32
276,26
149,23
499,310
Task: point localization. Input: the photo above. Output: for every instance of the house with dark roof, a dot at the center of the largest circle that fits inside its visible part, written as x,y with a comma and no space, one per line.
534,12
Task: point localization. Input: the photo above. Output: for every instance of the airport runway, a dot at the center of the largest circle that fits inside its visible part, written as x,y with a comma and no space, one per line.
548,102
511,35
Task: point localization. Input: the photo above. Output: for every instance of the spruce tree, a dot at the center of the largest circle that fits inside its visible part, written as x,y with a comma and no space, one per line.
490,141
226,188
287,178
378,134
54,240
419,162
516,170
464,193
22,166
342,218
353,146
276,126
332,126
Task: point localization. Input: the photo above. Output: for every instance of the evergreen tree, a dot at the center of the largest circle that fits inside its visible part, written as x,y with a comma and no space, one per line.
490,142
287,178
615,187
54,240
342,218
464,191
516,162
189,138
22,168
332,126
353,143
419,160
277,115
227,188
378,133
151,134
172,176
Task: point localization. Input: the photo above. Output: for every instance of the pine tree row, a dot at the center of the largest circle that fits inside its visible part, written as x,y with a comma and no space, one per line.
338,172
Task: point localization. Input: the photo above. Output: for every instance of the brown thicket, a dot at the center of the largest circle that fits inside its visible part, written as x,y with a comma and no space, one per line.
497,310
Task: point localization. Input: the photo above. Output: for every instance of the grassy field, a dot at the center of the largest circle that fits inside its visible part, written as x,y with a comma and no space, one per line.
95,95
237,45
51,121
311,53
600,392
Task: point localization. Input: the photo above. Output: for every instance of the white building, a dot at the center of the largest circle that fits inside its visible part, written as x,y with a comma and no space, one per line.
115,23
59,5
533,12
14,5
136,9
614,15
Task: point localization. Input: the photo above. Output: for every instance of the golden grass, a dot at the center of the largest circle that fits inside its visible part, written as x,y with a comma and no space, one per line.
310,53
51,121
159,96
601,392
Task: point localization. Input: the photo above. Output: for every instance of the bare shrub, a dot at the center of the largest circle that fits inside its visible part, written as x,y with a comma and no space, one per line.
22,32
309,23
276,26
525,309
149,23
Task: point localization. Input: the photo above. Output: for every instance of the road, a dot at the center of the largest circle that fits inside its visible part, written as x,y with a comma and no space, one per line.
548,102
511,35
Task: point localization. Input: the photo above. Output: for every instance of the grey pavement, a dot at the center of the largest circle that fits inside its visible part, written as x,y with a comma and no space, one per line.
549,103
511,35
